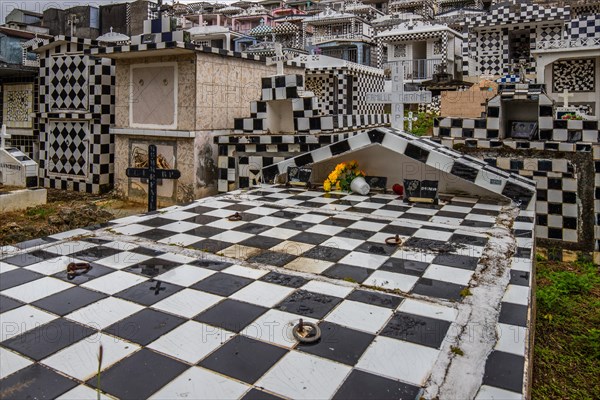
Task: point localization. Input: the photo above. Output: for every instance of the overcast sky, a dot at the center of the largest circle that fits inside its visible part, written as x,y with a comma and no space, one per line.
6,6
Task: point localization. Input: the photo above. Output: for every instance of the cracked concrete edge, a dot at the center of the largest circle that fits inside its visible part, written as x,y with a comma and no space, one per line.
460,377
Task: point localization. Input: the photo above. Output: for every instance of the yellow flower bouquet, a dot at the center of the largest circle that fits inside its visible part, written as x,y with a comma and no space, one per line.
342,176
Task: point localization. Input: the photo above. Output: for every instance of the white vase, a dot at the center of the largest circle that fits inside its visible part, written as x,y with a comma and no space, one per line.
359,185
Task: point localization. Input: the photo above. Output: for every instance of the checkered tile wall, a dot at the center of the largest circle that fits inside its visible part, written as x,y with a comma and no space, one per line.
586,26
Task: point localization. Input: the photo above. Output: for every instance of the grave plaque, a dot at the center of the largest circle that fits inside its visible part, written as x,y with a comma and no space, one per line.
299,176
523,129
421,191
152,174
377,182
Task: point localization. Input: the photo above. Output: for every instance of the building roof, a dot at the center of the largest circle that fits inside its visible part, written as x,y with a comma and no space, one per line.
417,27
21,33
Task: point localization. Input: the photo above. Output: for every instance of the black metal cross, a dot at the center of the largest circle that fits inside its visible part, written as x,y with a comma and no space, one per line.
152,174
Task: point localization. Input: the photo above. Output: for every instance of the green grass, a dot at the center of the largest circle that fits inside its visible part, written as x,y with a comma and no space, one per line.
423,125
567,339
40,211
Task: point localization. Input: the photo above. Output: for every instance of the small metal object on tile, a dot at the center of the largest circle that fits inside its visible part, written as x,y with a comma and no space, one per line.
394,240
235,217
306,332
73,269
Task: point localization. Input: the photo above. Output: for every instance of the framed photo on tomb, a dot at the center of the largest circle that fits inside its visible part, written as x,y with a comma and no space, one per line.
17,106
153,95
166,159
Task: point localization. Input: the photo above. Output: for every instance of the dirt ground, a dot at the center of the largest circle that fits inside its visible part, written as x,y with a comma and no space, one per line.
64,211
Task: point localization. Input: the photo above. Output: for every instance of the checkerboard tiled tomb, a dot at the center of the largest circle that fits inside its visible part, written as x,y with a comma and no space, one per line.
76,110
208,325
560,157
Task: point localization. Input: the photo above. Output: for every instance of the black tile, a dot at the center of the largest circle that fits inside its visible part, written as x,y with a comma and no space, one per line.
222,284
149,292
348,273
43,383
477,224
152,267
407,267
94,272
416,152
309,304
339,343
251,228
26,259
243,358
6,303
375,299
34,243
520,278
464,171
205,231
310,238
156,222
203,219
296,225
326,253
513,314
211,264
255,394
67,301
357,234
156,234
416,329
211,246
337,222
49,338
380,249
17,277
95,253
273,258
468,240
428,244
231,315
147,252
505,371
362,385
237,207
145,326
416,217
261,242
284,280
444,290
399,230
139,376
456,260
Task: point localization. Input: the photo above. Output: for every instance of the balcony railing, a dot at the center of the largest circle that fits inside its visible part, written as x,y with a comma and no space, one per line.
568,43
344,54
316,39
421,69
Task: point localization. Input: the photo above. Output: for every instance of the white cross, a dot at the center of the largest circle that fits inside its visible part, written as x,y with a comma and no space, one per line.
3,137
566,95
279,58
398,97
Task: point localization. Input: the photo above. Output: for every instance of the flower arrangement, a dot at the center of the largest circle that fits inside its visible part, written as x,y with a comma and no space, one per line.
572,116
341,177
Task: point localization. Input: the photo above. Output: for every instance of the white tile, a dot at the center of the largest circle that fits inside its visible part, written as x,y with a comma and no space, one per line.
52,265
123,246
310,265
4,267
343,243
67,248
304,376
191,341
387,213
367,226
187,302
270,221
178,215
262,210
427,309
328,288
511,339
365,260
494,393
21,320
70,234
396,359
312,218
81,359
83,392
448,274
226,224
122,260
185,275
11,362
114,282
181,239
180,226
391,280
517,294
262,293
433,234
220,213
104,312
360,316
276,327
521,264
280,233
178,258
38,289
214,203
325,229
232,236
132,229
422,211
291,247
199,383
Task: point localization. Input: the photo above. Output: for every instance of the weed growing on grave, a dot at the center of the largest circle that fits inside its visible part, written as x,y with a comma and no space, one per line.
465,292
457,350
567,338
40,211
